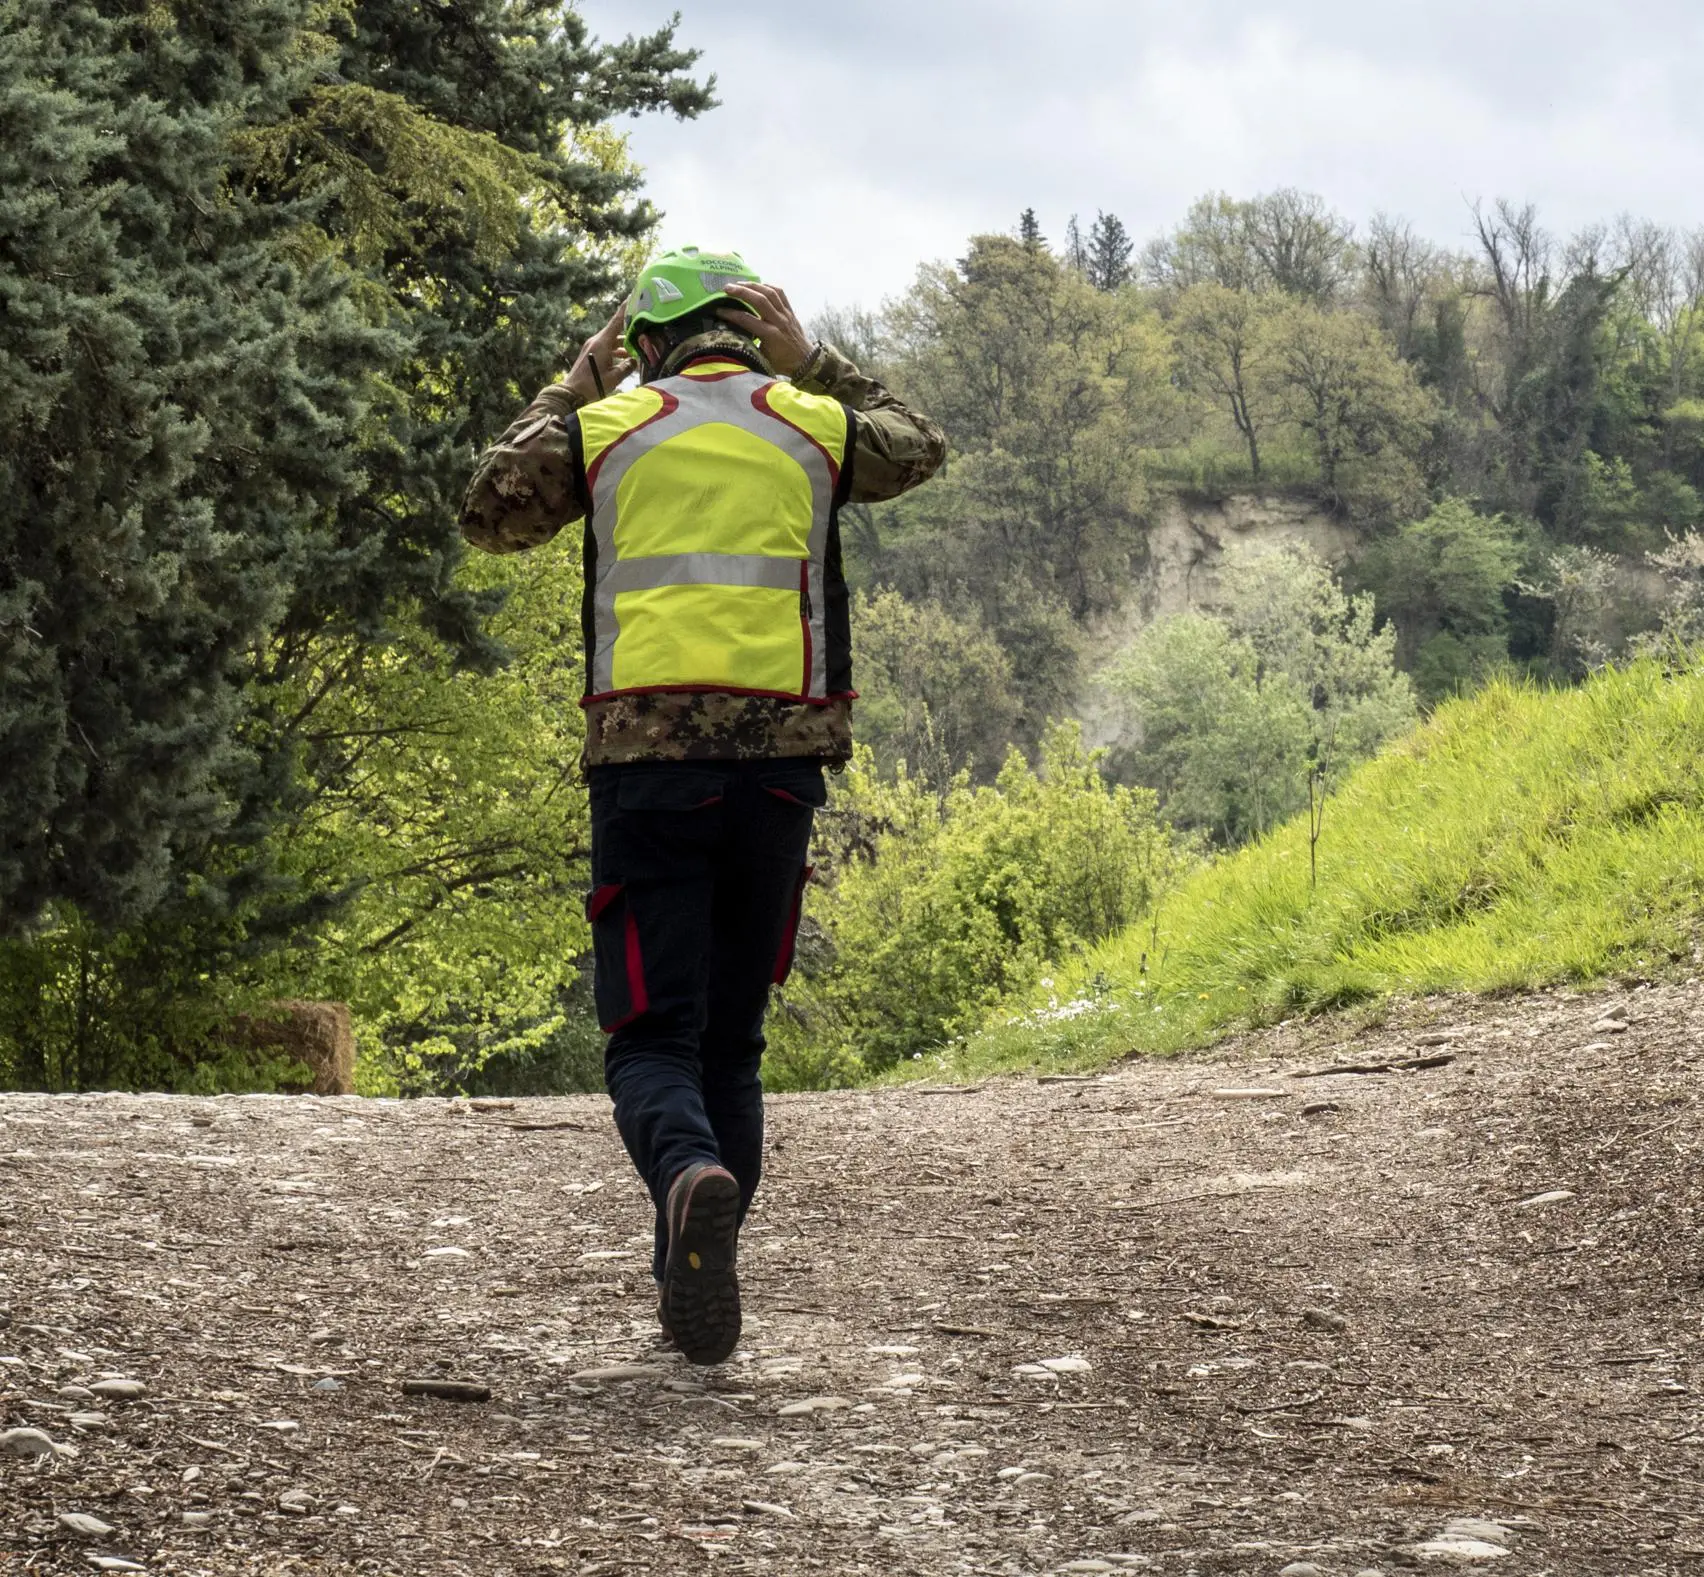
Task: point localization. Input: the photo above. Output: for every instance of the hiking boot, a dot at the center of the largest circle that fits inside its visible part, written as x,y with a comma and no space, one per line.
700,1306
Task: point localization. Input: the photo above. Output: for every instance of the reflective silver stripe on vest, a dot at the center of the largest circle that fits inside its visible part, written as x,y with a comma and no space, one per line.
703,569
727,400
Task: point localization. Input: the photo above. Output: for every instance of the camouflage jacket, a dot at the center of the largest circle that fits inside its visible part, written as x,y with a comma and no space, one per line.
528,486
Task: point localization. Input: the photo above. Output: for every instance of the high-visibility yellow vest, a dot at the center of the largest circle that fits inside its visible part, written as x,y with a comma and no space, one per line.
713,552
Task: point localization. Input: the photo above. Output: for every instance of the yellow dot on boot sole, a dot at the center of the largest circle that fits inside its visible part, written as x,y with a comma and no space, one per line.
694,1262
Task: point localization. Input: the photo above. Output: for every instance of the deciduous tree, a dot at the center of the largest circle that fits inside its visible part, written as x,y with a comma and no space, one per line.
1234,712
1224,354
1048,390
1361,410
1442,580
935,691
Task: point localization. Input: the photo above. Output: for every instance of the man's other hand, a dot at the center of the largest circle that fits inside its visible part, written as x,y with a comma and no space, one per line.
784,343
602,359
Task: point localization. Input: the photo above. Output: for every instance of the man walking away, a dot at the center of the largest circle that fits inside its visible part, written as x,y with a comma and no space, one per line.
718,685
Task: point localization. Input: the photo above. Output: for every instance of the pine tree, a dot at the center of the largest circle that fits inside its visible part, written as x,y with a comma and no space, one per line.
177,399
1076,255
1029,229
270,270
495,229
1109,249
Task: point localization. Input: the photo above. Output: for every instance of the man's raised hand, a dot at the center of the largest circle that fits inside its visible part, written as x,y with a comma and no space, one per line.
784,342
603,361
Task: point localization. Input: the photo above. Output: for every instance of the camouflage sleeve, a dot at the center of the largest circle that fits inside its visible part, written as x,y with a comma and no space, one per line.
525,488
896,447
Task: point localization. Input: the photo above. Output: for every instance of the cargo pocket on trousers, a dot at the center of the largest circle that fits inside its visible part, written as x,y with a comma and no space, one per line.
796,783
790,936
618,965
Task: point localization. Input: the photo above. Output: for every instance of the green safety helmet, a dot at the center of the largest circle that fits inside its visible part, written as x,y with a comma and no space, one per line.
681,282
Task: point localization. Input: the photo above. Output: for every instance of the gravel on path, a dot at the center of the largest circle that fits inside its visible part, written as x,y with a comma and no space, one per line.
1447,1315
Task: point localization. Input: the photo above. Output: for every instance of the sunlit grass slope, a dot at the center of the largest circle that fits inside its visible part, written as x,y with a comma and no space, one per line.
1519,838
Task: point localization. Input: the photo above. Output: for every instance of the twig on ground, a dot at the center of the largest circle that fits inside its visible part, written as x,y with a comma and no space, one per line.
1403,1065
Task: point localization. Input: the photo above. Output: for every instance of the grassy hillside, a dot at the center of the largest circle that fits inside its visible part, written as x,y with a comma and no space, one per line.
1519,838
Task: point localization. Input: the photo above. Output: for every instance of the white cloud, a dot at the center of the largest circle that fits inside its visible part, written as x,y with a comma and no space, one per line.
853,145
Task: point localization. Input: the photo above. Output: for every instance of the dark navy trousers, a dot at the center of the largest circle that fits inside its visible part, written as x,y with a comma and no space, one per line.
698,873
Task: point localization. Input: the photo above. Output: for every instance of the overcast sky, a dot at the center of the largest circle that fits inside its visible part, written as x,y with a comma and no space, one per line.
855,141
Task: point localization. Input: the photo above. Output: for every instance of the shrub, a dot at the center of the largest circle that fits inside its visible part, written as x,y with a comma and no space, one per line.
1237,713
944,902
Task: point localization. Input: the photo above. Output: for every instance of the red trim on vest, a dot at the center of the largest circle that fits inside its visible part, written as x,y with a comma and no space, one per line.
669,406
760,402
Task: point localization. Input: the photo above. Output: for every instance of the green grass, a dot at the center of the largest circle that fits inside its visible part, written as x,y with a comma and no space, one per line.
1215,468
1520,838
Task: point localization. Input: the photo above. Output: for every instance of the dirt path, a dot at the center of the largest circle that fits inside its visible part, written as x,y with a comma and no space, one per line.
917,1260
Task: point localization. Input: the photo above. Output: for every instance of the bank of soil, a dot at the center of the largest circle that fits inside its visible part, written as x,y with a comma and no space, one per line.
1316,1326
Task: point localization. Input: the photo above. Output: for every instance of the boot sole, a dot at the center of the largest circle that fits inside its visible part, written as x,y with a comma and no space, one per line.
701,1292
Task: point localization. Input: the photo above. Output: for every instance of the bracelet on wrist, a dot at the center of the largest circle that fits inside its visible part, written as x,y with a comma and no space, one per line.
807,369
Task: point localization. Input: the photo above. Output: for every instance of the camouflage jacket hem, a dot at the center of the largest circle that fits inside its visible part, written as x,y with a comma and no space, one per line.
707,726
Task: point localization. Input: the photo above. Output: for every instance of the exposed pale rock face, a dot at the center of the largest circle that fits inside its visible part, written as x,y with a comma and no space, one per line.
1188,540
1186,545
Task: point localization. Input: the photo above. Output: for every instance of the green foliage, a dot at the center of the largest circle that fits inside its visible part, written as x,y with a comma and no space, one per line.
946,902
1521,838
1285,241
936,692
1046,387
274,266
179,405
1551,392
464,171
1590,617
449,835
1234,713
1288,370
1442,580
1681,566
1358,408
212,459
1109,248
1049,390
439,871
1224,348
1221,745
1205,469
1581,363
567,1061
84,1008
435,178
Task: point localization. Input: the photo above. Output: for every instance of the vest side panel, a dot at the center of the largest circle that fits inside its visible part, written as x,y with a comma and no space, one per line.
837,600
822,419
826,426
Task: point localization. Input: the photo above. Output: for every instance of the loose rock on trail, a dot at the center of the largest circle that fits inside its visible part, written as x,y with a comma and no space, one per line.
1444,1314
